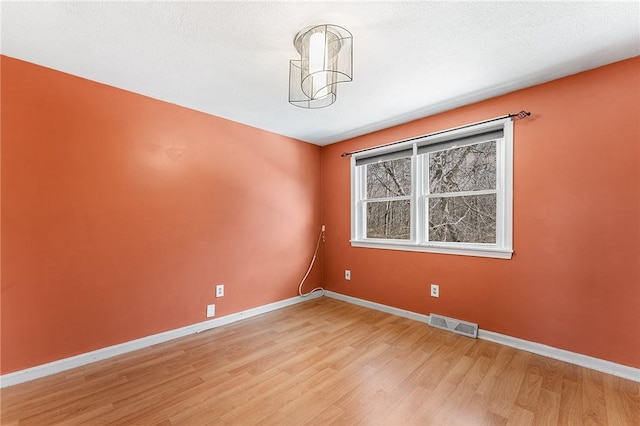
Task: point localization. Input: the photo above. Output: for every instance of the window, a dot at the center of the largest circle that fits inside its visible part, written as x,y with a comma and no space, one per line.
448,193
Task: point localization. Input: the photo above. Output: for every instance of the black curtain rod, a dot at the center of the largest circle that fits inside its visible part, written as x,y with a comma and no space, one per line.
520,115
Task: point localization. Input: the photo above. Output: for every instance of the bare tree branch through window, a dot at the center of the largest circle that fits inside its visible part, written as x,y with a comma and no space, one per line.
389,219
470,218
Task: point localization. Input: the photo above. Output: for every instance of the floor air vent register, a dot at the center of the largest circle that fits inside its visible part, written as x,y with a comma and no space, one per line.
465,328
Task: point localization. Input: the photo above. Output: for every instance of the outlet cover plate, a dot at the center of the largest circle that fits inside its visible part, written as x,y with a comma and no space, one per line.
347,274
220,290
435,290
211,311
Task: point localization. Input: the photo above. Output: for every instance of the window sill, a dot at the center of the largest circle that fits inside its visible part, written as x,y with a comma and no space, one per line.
493,252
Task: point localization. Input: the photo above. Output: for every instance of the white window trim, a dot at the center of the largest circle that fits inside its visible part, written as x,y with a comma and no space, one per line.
502,249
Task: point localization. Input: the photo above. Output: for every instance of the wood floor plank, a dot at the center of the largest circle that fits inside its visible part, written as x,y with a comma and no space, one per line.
622,400
547,410
570,403
530,388
325,362
521,417
593,404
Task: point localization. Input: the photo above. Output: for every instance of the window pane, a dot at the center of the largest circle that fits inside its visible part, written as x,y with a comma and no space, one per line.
389,178
469,219
468,168
389,219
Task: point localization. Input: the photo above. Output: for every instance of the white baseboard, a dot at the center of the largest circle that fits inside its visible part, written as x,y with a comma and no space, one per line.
608,367
378,306
586,361
54,367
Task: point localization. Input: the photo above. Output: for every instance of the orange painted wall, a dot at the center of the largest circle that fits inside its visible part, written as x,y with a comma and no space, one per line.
120,213
574,280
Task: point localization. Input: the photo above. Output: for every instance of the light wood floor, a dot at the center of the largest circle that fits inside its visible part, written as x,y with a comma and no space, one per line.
326,362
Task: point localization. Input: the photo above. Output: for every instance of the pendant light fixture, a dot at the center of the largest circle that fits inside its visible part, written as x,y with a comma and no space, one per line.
325,60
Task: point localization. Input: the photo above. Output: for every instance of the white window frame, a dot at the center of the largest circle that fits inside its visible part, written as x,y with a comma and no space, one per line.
503,247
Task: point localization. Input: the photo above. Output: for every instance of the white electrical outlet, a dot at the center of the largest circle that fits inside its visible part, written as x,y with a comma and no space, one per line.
435,290
347,274
211,311
220,290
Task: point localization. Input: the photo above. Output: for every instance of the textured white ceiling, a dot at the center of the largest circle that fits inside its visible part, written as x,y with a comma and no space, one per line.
231,58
